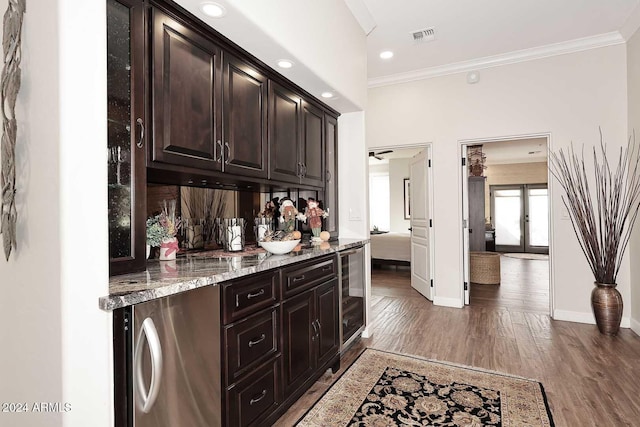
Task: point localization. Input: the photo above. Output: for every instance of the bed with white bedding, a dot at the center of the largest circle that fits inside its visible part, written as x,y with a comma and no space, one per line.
391,248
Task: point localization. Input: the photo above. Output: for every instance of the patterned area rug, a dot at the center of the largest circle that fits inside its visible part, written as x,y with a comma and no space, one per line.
384,389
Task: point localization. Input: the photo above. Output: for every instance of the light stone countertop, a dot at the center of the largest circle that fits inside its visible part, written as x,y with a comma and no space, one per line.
163,278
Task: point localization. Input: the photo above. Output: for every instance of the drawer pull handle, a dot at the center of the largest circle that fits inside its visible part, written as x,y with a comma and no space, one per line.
327,268
257,294
258,341
258,399
297,279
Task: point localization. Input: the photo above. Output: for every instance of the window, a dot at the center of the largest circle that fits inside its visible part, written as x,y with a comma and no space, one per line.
379,201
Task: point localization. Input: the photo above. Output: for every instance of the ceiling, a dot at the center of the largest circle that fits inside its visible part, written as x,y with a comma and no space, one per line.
528,150
396,153
466,30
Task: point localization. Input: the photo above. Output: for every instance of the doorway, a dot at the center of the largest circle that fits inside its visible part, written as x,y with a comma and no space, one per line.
511,177
520,214
401,204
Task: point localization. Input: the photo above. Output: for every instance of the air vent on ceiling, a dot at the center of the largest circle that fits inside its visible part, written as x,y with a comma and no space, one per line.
424,35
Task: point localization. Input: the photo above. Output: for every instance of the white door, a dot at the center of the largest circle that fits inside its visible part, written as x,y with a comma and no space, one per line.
420,216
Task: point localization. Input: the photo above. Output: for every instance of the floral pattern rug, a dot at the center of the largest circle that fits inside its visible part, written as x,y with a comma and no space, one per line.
384,389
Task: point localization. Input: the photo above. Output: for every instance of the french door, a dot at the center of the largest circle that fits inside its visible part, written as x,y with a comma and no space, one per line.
520,215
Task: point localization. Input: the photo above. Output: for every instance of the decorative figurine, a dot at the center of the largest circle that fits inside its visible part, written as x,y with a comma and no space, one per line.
313,216
289,213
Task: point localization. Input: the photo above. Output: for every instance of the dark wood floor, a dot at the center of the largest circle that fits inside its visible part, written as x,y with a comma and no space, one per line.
524,286
590,379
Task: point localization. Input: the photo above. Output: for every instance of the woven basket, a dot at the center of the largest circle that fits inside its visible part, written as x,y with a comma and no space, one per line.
485,268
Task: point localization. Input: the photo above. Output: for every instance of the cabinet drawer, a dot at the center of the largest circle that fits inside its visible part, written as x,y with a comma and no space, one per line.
250,342
245,296
299,277
254,398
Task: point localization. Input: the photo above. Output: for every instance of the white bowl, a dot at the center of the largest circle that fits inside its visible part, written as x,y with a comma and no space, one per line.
282,247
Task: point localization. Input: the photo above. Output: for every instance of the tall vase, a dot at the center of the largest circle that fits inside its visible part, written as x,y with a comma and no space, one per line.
607,305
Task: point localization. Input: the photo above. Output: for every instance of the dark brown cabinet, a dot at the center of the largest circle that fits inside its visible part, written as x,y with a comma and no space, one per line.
310,322
331,174
186,86
280,332
284,134
312,146
298,331
126,139
245,119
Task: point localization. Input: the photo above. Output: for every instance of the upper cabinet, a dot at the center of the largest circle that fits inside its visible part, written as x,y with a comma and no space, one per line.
245,119
312,145
126,136
331,174
285,117
186,84
295,138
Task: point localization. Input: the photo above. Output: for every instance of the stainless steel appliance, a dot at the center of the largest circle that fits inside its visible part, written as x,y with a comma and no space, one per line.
171,358
352,295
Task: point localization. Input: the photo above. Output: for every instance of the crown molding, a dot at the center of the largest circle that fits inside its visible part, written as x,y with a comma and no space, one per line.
577,45
632,24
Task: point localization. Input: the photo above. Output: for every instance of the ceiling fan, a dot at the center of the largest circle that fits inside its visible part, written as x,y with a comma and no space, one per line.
379,153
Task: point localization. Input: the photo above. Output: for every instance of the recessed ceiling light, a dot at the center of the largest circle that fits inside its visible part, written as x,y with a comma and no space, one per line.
285,63
387,54
213,10
327,94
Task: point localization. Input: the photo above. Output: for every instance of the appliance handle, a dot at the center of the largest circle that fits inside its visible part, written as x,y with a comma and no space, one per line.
149,332
351,252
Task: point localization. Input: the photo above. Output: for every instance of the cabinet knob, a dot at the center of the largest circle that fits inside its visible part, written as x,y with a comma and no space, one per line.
140,142
329,176
304,170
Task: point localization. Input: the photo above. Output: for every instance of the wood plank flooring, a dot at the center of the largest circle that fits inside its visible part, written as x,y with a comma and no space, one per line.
590,379
524,286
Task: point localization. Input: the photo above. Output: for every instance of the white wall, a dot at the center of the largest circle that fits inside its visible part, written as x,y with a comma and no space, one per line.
323,39
568,96
321,35
633,79
398,171
55,340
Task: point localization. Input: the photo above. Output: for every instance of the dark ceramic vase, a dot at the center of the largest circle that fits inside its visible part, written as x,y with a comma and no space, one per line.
606,302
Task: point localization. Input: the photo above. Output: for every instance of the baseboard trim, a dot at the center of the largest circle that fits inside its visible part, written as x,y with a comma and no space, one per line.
580,317
635,326
366,333
448,302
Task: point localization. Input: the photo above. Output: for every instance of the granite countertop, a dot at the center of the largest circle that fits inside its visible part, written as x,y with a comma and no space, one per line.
163,278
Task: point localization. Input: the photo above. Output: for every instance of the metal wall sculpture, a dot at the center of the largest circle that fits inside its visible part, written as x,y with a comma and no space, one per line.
9,86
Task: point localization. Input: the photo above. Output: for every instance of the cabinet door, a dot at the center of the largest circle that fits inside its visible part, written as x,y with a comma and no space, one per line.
186,91
331,175
327,321
284,134
125,142
245,119
312,148
299,340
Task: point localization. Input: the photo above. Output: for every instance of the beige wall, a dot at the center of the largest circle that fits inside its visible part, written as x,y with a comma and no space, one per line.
633,76
398,171
567,96
56,342
515,173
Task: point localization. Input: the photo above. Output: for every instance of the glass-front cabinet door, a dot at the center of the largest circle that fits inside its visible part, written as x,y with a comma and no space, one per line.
126,133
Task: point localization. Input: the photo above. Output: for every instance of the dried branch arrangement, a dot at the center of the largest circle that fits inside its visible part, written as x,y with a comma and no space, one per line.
603,226
10,84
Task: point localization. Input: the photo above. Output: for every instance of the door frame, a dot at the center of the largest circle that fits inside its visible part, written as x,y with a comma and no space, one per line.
463,214
429,147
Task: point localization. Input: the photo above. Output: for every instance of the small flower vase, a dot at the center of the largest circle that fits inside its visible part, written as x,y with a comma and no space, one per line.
168,249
